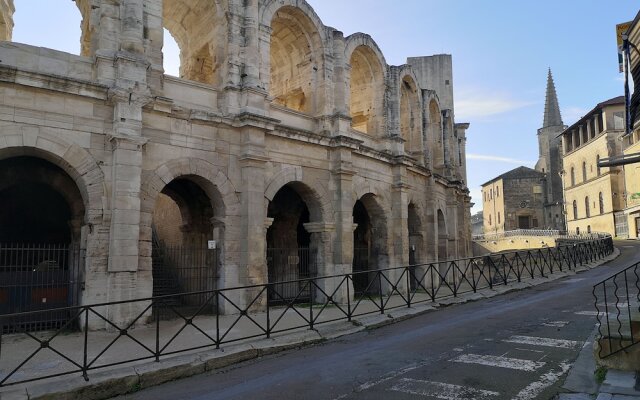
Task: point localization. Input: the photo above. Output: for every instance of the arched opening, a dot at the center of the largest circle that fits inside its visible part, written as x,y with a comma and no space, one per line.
410,118
587,209
436,135
295,61
601,202
63,11
575,209
584,171
198,31
443,237
366,88
369,245
183,224
573,176
291,255
41,216
415,242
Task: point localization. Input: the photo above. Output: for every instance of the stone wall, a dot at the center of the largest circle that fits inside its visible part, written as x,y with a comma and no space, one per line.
268,97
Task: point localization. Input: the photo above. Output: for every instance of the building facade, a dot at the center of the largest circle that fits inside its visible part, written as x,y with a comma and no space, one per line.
595,196
280,137
514,200
632,142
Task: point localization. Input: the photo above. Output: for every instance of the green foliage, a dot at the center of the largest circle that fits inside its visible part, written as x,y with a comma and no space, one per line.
600,374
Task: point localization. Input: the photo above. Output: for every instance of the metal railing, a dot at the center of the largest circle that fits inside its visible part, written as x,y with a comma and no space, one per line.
40,277
251,316
540,232
617,302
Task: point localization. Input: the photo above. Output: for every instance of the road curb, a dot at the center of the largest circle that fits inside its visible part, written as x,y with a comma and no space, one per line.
119,381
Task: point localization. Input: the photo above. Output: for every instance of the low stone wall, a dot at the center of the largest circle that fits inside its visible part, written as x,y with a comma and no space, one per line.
482,247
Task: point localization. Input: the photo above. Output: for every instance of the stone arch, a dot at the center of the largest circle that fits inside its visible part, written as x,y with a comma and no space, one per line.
210,177
207,192
199,29
72,159
367,84
315,194
295,56
435,133
410,112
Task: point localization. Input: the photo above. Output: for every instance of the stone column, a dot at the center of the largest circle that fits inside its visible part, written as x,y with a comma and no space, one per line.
343,207
399,228
322,234
253,247
446,139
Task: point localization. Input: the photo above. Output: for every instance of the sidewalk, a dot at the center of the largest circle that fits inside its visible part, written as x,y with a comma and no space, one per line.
581,381
124,378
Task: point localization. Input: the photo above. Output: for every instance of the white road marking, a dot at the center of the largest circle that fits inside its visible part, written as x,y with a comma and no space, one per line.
535,388
591,313
547,342
500,362
556,324
572,280
531,350
439,390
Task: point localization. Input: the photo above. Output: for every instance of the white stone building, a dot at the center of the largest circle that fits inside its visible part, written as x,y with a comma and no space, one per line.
280,134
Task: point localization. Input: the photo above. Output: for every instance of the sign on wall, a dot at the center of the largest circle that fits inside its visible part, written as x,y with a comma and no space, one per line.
621,29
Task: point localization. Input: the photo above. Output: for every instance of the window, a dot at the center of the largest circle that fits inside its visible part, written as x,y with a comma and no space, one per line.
498,193
598,164
575,209
491,194
584,171
601,201
586,207
490,222
573,176
588,228
618,121
577,230
498,218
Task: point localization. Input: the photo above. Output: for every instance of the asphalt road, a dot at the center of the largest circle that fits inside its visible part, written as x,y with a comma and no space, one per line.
515,346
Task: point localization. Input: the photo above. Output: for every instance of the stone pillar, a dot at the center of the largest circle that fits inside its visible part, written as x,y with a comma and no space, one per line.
343,207
446,140
322,234
399,228
253,247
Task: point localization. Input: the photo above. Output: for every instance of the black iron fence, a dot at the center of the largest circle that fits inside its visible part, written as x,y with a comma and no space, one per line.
617,302
39,277
180,269
288,268
250,315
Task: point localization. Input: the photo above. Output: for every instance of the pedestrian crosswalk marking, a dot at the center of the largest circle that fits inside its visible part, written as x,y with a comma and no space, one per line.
546,342
556,324
500,362
439,390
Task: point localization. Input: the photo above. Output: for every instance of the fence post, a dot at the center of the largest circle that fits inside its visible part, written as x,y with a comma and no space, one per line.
85,367
348,298
158,332
409,278
218,319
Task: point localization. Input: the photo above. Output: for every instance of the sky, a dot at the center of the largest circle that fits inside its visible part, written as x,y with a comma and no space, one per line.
501,52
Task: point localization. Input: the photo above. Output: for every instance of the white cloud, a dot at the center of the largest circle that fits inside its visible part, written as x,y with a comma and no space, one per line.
486,157
474,104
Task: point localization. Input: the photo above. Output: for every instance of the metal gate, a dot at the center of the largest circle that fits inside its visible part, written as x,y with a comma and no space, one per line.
39,277
179,271
362,281
291,265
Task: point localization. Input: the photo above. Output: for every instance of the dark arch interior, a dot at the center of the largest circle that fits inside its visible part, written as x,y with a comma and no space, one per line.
182,226
289,213
363,251
289,256
38,203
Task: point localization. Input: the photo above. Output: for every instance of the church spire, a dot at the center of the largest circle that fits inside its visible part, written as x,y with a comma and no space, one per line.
552,115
